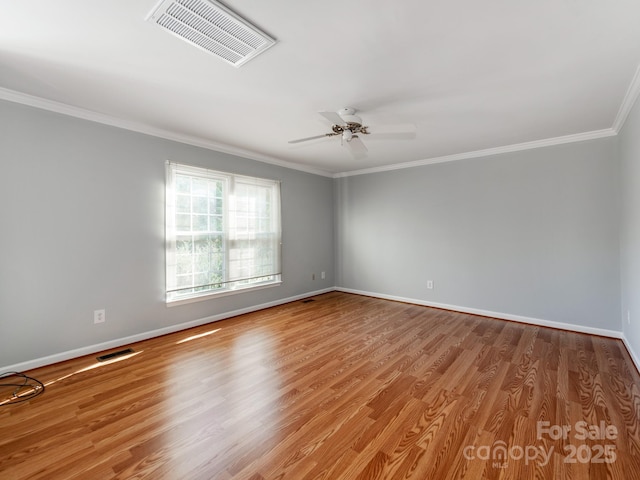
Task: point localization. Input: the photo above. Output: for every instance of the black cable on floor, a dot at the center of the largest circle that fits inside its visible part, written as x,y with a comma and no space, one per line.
24,387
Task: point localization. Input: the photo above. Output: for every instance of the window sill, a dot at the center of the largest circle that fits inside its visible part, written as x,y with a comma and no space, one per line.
211,295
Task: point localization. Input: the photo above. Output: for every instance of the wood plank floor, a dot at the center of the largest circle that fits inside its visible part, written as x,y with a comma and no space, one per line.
344,387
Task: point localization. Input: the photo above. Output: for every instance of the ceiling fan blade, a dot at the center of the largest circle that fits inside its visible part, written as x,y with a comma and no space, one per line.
312,138
406,131
356,147
333,117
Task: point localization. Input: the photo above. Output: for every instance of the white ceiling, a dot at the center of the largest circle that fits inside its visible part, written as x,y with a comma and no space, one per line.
471,75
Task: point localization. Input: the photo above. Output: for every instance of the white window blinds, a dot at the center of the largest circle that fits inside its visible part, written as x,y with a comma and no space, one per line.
223,232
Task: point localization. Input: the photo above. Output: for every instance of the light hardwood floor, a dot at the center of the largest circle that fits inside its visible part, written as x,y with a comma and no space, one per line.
343,387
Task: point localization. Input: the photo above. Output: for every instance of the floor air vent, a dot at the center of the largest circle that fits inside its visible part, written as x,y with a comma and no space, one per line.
112,355
308,300
212,27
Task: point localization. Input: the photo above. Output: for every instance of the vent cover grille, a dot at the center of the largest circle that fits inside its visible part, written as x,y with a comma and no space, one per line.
119,353
212,27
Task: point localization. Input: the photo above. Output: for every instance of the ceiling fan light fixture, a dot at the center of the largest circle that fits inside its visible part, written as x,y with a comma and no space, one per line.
347,135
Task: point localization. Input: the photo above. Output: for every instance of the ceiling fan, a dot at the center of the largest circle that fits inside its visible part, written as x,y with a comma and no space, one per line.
349,126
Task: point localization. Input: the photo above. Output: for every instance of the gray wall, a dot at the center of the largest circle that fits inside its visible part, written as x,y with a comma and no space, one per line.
537,233
532,233
82,228
630,229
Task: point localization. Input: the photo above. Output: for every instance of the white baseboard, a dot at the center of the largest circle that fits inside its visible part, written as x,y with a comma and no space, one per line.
635,357
632,353
119,342
486,313
506,316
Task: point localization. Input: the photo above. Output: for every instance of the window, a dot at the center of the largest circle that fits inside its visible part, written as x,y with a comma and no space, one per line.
223,232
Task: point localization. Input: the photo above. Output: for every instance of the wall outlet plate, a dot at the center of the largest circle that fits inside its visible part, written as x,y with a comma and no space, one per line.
99,316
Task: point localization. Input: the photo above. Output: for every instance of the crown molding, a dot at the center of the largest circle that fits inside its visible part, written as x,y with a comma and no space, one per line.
633,91
65,109
629,100
578,137
627,103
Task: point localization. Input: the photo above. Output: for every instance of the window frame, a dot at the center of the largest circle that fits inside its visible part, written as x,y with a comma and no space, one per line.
230,286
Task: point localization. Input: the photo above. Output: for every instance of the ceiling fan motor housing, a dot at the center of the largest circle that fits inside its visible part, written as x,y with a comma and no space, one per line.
348,116
352,120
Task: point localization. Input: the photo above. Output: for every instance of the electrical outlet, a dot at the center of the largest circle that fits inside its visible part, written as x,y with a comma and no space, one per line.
322,276
628,317
313,276
430,284
99,316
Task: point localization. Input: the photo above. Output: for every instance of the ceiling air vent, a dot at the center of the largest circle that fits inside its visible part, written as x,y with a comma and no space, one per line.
212,27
